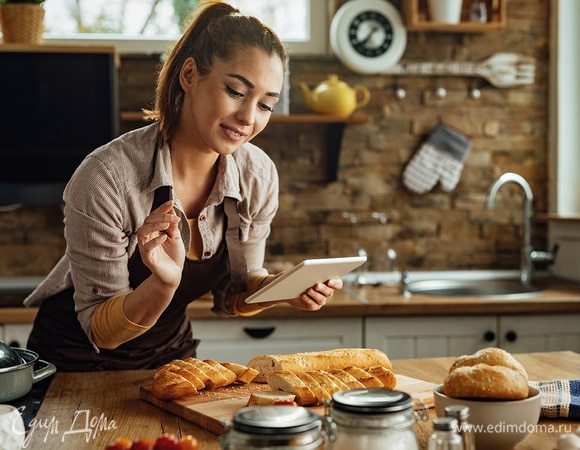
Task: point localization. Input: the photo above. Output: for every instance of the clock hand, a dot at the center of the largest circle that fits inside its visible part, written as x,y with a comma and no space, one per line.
370,35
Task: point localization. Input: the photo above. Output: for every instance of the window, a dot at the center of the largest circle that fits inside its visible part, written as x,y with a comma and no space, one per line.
151,26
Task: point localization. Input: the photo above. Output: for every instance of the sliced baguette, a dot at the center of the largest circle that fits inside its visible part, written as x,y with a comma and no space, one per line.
341,385
386,376
267,398
369,381
215,378
168,385
229,375
192,373
314,385
326,388
350,381
287,381
322,360
244,375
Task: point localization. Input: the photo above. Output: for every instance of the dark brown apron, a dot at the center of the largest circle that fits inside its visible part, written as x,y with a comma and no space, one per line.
58,337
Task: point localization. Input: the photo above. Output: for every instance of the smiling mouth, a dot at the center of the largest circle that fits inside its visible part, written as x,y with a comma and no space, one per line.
233,134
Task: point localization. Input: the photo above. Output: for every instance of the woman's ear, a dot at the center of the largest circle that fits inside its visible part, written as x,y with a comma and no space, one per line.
188,74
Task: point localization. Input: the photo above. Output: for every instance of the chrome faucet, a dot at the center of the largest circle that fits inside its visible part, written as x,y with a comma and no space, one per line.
528,254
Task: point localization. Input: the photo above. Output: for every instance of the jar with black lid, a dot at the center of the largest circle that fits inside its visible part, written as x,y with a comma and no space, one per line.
374,419
277,428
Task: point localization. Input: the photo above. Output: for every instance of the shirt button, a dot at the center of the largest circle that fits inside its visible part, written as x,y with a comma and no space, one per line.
202,218
95,290
207,254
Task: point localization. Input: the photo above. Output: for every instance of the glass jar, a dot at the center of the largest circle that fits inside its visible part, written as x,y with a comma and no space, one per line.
374,419
277,428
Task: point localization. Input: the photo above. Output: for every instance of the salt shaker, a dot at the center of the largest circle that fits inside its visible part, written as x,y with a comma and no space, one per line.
461,413
374,419
444,435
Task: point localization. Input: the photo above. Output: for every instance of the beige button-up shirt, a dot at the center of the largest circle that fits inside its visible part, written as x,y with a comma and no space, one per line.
111,193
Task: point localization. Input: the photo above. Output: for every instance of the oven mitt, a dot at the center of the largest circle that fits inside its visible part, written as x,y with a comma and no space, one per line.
440,158
560,398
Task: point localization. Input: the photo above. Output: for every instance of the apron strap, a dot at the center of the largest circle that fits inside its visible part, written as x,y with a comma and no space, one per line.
238,270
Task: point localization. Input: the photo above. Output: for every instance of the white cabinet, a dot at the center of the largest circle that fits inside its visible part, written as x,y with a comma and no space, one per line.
239,340
15,334
539,333
432,336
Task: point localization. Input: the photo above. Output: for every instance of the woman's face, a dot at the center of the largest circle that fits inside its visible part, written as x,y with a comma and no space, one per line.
233,103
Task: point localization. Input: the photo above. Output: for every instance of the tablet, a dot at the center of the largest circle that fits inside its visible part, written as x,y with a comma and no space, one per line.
304,275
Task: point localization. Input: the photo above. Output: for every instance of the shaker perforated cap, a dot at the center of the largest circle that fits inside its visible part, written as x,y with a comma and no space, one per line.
372,401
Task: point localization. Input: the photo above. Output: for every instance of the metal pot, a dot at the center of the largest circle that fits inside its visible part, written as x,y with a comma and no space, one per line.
17,381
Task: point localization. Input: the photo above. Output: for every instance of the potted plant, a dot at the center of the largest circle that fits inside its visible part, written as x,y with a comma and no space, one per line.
22,21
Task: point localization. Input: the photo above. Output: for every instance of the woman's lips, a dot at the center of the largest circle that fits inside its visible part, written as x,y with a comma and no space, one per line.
232,134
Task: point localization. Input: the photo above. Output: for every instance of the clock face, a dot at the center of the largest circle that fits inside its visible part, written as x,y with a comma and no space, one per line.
368,36
371,34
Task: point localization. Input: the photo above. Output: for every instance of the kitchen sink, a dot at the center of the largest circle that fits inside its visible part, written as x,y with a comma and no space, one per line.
507,289
504,284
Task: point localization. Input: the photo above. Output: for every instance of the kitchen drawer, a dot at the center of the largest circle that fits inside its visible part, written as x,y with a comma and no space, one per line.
239,340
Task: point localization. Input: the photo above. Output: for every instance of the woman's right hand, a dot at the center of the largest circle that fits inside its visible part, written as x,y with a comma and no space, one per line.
161,246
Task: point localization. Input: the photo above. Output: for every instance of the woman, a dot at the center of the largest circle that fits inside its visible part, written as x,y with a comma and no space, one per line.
167,213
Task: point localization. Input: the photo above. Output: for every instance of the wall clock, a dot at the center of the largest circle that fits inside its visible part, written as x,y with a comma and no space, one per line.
368,36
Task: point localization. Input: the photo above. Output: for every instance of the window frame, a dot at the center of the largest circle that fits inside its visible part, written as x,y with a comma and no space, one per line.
317,45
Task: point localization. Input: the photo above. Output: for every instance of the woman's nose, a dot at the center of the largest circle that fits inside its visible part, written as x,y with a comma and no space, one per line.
246,114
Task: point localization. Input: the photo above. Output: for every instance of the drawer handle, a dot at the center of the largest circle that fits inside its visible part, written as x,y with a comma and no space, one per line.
511,336
489,336
259,333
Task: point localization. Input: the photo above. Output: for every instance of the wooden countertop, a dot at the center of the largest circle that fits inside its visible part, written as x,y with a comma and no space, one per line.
557,297
89,410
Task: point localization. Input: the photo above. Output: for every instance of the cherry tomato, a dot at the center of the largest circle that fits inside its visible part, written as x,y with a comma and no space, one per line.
143,444
167,442
122,443
188,443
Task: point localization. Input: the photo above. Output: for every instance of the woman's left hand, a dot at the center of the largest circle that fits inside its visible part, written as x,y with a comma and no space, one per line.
315,297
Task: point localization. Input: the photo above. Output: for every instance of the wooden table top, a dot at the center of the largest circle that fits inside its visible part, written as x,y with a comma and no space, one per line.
89,410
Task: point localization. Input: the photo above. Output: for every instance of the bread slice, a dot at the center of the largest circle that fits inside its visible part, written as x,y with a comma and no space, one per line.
192,373
229,375
214,376
314,385
350,381
168,385
369,381
244,375
341,385
321,360
267,398
386,376
287,381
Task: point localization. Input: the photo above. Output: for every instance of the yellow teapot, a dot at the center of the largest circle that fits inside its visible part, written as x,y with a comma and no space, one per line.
335,97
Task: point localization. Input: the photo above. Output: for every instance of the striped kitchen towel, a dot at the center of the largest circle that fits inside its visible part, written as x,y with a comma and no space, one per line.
560,398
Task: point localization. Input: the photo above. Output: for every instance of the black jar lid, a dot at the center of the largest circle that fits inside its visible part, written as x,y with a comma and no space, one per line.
372,401
275,420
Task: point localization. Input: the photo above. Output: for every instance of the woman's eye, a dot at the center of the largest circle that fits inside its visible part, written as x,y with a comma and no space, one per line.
265,107
234,93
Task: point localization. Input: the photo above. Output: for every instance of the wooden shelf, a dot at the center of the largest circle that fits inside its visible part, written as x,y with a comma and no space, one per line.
416,14
335,129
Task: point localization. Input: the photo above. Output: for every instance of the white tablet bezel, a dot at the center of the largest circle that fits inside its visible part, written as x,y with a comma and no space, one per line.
305,275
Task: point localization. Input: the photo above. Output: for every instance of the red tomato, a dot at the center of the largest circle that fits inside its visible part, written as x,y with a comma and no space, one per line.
121,443
167,442
188,443
143,444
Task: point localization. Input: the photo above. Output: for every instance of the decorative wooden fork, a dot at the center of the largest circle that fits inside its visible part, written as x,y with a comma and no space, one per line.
502,70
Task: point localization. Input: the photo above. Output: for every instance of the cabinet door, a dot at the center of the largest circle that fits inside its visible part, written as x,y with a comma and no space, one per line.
540,333
432,336
239,340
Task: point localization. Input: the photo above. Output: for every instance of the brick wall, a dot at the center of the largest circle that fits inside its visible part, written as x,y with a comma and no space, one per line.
437,230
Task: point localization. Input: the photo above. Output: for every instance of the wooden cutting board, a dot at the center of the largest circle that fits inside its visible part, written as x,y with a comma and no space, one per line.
208,409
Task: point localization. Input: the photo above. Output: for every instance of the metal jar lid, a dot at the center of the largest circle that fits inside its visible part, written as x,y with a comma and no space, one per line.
275,420
372,401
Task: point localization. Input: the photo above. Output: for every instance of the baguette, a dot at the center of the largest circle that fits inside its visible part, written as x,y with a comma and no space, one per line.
284,380
244,375
319,392
369,381
350,381
169,385
229,375
322,360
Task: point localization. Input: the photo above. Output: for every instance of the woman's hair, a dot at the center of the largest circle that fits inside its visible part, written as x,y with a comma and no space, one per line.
218,30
